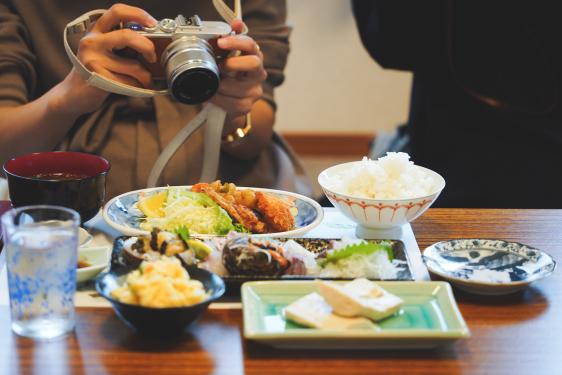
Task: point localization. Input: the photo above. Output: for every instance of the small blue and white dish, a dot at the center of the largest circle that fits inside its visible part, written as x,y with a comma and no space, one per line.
488,267
122,214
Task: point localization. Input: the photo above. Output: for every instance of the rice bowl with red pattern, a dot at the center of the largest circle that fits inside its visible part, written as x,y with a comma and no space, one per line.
383,193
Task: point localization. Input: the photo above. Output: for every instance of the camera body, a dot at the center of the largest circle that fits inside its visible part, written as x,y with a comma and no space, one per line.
187,55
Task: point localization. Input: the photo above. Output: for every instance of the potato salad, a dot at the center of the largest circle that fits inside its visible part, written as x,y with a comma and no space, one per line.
160,283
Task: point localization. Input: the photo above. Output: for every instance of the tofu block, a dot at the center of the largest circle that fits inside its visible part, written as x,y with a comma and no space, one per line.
312,311
360,297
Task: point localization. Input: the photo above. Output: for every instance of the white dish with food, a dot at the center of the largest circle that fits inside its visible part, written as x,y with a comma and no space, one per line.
91,261
204,217
84,237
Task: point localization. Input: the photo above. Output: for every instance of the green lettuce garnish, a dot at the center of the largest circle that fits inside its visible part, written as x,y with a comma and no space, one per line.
183,233
365,248
197,212
240,228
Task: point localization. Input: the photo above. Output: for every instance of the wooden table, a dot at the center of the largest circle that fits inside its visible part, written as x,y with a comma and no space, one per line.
519,334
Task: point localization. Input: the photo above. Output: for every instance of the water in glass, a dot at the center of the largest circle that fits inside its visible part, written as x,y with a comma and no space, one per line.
41,257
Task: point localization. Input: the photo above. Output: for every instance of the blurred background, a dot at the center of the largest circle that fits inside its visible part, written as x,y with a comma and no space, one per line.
335,98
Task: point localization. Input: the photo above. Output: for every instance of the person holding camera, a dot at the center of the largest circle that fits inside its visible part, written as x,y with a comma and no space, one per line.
45,104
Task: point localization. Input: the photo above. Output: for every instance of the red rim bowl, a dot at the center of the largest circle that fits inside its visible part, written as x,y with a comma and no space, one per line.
83,190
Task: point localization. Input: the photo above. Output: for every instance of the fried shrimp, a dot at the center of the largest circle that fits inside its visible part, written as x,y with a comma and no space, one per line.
198,188
247,207
238,212
275,212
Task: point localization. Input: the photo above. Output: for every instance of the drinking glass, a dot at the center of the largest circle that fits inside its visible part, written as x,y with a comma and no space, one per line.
41,244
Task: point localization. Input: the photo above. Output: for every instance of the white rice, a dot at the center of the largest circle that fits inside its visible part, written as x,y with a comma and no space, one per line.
392,176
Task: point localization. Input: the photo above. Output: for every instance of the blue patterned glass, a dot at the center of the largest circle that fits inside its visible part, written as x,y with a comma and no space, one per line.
41,257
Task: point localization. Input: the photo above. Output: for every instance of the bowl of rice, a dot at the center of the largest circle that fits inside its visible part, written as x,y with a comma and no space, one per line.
383,193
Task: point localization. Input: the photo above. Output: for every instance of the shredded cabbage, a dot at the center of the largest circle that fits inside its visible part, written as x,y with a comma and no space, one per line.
376,265
196,211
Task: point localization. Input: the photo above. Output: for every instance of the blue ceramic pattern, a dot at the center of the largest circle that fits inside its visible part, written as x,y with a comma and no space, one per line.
489,261
123,211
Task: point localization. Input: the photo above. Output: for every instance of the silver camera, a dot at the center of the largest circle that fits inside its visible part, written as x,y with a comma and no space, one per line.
187,55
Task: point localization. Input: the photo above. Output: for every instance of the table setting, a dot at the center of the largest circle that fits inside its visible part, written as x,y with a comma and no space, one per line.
246,280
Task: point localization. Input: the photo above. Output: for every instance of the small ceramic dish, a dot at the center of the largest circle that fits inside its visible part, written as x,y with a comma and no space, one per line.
153,321
98,259
84,237
121,213
488,267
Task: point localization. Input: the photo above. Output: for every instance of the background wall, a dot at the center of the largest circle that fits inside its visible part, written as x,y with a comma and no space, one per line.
333,86
332,83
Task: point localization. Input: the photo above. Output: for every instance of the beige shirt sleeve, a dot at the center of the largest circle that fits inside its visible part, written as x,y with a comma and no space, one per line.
266,20
17,60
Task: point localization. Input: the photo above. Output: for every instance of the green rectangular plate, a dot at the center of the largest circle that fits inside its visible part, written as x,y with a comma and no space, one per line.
428,318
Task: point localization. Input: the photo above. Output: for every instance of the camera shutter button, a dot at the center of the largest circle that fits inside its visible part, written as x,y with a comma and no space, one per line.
167,25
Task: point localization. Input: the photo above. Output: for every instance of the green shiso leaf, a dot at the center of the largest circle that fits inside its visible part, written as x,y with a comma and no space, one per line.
183,232
365,248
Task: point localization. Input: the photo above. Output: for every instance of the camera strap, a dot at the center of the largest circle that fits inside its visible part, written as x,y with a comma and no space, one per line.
213,114
80,26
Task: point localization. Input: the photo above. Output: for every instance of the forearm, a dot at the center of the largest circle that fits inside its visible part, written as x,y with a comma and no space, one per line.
36,126
259,136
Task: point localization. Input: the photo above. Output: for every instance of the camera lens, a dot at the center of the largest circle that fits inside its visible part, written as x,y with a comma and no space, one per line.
191,70
194,85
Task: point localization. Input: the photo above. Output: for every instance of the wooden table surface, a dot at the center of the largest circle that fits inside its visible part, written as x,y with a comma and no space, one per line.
518,334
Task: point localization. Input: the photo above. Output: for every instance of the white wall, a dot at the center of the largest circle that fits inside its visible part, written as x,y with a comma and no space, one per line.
332,83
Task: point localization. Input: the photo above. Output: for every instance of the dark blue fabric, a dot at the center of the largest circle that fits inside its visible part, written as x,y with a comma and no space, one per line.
485,110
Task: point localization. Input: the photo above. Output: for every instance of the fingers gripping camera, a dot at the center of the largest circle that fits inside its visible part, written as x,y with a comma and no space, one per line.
187,55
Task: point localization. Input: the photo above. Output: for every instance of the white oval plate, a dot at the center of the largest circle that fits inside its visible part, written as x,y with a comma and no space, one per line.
122,214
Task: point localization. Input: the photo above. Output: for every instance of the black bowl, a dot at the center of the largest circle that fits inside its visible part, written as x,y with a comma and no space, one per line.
70,179
159,321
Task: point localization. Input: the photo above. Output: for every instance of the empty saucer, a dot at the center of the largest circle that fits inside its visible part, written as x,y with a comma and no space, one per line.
489,267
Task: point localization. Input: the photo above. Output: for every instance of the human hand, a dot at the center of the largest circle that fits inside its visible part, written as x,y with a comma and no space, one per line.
96,53
241,78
